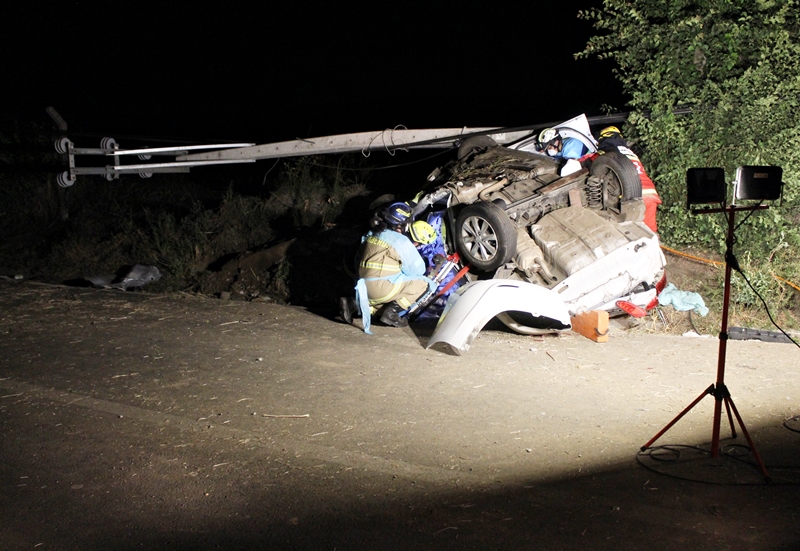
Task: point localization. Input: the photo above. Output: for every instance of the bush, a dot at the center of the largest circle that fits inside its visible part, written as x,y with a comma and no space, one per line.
714,83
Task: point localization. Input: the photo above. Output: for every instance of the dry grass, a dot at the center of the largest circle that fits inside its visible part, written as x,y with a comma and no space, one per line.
708,281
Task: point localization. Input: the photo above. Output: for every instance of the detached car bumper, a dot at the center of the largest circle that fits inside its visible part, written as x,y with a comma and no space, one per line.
474,304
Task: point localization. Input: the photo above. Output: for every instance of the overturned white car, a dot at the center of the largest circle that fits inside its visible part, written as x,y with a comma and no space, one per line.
571,229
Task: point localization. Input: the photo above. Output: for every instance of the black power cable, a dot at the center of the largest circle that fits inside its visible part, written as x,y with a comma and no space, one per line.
730,258
399,165
671,453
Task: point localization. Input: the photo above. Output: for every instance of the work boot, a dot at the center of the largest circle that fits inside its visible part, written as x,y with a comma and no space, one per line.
348,309
391,316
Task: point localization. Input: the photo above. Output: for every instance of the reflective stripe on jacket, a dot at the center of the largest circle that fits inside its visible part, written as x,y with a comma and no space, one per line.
391,256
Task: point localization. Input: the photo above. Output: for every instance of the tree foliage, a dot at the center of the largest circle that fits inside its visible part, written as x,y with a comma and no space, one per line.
711,83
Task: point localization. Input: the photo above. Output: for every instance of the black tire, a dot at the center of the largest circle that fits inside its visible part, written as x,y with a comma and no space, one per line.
486,238
620,177
470,145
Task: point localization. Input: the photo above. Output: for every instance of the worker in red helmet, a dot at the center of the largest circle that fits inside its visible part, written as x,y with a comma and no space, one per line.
610,139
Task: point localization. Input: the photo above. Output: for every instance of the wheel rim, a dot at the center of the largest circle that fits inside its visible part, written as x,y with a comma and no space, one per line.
479,238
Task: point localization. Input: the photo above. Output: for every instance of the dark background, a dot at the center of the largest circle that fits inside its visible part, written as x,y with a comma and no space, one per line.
283,70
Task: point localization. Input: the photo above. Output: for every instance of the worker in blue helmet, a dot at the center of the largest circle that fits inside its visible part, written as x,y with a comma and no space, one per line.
391,271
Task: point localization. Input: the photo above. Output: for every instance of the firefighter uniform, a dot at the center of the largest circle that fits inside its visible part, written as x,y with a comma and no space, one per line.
390,270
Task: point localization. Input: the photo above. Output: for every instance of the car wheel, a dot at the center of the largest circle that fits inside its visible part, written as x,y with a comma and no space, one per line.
473,144
620,178
486,238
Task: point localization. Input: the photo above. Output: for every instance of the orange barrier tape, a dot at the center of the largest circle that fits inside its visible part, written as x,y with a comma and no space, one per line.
697,258
718,263
787,282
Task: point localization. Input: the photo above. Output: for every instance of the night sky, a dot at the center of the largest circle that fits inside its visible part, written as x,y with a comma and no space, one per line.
286,70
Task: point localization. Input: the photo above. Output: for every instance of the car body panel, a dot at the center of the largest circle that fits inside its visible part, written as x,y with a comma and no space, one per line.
577,127
572,227
474,304
600,260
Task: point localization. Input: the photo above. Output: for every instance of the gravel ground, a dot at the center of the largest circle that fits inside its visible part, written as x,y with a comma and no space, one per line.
140,421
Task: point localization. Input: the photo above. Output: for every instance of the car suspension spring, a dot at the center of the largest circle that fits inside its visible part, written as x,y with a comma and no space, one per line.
594,193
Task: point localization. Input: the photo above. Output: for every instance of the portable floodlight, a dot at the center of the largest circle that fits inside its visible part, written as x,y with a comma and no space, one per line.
705,186
758,183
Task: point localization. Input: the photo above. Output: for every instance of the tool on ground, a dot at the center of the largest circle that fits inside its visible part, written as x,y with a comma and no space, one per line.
442,267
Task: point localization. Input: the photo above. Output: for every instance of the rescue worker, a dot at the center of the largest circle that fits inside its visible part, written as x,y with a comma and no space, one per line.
552,143
422,233
610,139
391,270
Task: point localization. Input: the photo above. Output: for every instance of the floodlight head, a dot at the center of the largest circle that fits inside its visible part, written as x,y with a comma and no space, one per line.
704,186
758,183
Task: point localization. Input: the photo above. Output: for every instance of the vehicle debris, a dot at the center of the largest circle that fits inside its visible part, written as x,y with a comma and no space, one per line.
572,228
134,278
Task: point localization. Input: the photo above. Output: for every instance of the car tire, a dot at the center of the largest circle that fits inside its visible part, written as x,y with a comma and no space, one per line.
473,144
486,238
621,179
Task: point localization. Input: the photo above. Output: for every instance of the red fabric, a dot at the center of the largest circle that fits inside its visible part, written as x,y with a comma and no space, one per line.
647,183
650,208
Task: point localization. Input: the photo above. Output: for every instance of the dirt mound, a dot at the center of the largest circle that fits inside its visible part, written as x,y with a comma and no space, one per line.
310,270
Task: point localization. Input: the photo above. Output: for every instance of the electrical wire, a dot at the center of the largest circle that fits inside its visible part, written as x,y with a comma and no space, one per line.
719,264
749,214
730,258
264,181
399,165
673,454
735,265
794,418
392,148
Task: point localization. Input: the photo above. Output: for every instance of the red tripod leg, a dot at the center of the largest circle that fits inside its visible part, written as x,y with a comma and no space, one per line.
730,419
721,395
747,437
709,390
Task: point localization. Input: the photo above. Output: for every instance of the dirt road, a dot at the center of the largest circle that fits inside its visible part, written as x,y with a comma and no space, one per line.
138,421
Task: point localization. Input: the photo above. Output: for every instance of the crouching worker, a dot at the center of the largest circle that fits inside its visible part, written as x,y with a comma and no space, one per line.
391,271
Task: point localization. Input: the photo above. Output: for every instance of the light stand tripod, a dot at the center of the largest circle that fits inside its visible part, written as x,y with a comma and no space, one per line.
718,390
